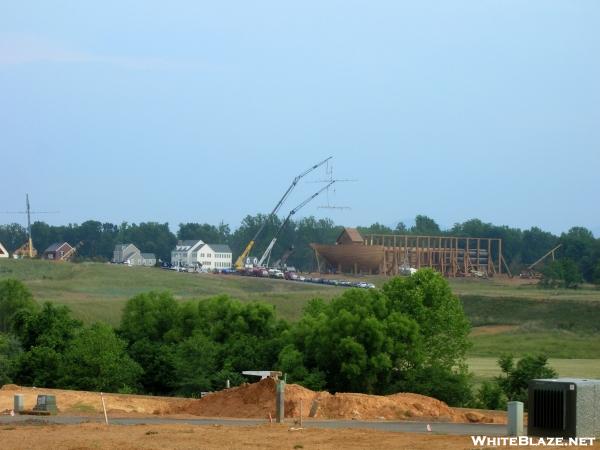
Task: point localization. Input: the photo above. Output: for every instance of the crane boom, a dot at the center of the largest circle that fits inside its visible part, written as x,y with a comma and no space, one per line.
267,252
239,262
551,252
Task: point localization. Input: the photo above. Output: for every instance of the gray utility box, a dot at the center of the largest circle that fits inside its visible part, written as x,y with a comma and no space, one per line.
564,407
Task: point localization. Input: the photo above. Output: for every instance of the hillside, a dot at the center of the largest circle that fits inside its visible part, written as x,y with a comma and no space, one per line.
507,315
96,291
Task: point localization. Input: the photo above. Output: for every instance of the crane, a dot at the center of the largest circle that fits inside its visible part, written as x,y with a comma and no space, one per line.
530,272
267,254
239,263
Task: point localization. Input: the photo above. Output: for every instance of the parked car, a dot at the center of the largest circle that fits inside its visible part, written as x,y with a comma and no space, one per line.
260,272
291,276
275,273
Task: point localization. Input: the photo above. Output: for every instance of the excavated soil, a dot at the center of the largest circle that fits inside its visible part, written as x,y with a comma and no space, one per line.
82,402
257,400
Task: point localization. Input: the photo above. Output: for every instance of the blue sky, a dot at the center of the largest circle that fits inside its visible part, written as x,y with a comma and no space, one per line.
204,111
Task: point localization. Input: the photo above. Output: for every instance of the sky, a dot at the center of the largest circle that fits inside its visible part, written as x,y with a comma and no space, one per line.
193,111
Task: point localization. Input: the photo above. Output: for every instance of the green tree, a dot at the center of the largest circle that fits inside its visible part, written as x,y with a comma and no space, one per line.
51,327
536,243
425,226
491,396
151,315
10,350
248,334
562,273
375,228
208,233
515,378
196,365
12,236
14,297
426,298
96,360
39,366
357,340
596,274
45,335
150,325
579,245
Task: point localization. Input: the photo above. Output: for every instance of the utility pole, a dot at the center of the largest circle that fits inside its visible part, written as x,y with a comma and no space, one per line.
29,225
29,212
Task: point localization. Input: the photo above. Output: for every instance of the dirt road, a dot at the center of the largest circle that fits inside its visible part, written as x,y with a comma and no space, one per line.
97,436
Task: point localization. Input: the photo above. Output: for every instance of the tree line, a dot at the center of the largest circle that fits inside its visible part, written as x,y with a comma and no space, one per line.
409,336
520,247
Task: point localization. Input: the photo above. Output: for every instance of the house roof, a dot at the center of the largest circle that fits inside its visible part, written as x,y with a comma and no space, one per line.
3,251
353,234
57,246
220,248
126,255
23,249
188,244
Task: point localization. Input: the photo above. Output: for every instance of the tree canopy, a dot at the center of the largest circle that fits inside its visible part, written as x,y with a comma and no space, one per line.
520,247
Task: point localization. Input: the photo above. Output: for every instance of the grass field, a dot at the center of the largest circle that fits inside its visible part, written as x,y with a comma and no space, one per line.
487,368
96,291
508,316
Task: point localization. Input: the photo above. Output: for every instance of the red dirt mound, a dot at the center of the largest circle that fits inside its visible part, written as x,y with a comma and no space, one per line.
258,400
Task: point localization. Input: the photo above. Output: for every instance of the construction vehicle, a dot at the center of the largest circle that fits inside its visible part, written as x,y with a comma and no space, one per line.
530,272
240,262
281,263
267,254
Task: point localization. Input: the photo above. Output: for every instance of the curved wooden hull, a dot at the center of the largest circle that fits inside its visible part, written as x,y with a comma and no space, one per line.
350,258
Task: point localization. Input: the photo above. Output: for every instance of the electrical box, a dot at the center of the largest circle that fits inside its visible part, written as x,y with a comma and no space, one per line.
46,404
564,407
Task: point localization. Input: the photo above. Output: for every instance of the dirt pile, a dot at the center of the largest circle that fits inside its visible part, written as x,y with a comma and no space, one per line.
82,402
257,400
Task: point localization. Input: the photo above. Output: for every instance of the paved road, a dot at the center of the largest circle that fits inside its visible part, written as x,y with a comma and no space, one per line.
403,426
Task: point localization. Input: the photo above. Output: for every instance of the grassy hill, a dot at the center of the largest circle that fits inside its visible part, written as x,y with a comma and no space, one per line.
507,315
96,291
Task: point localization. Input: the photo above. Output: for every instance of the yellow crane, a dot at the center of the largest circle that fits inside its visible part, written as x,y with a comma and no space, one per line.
240,261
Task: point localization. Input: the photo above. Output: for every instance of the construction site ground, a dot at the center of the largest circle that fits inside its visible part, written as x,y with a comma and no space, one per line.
255,403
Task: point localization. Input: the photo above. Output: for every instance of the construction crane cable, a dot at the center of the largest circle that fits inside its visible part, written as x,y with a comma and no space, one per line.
267,253
239,263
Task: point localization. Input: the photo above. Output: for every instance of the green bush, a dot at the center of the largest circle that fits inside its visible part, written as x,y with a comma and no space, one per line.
491,396
14,297
562,273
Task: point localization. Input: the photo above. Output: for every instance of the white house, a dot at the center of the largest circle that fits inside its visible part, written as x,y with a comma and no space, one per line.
3,251
215,256
185,253
131,255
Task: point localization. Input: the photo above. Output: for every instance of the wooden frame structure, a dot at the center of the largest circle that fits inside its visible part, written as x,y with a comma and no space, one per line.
453,256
